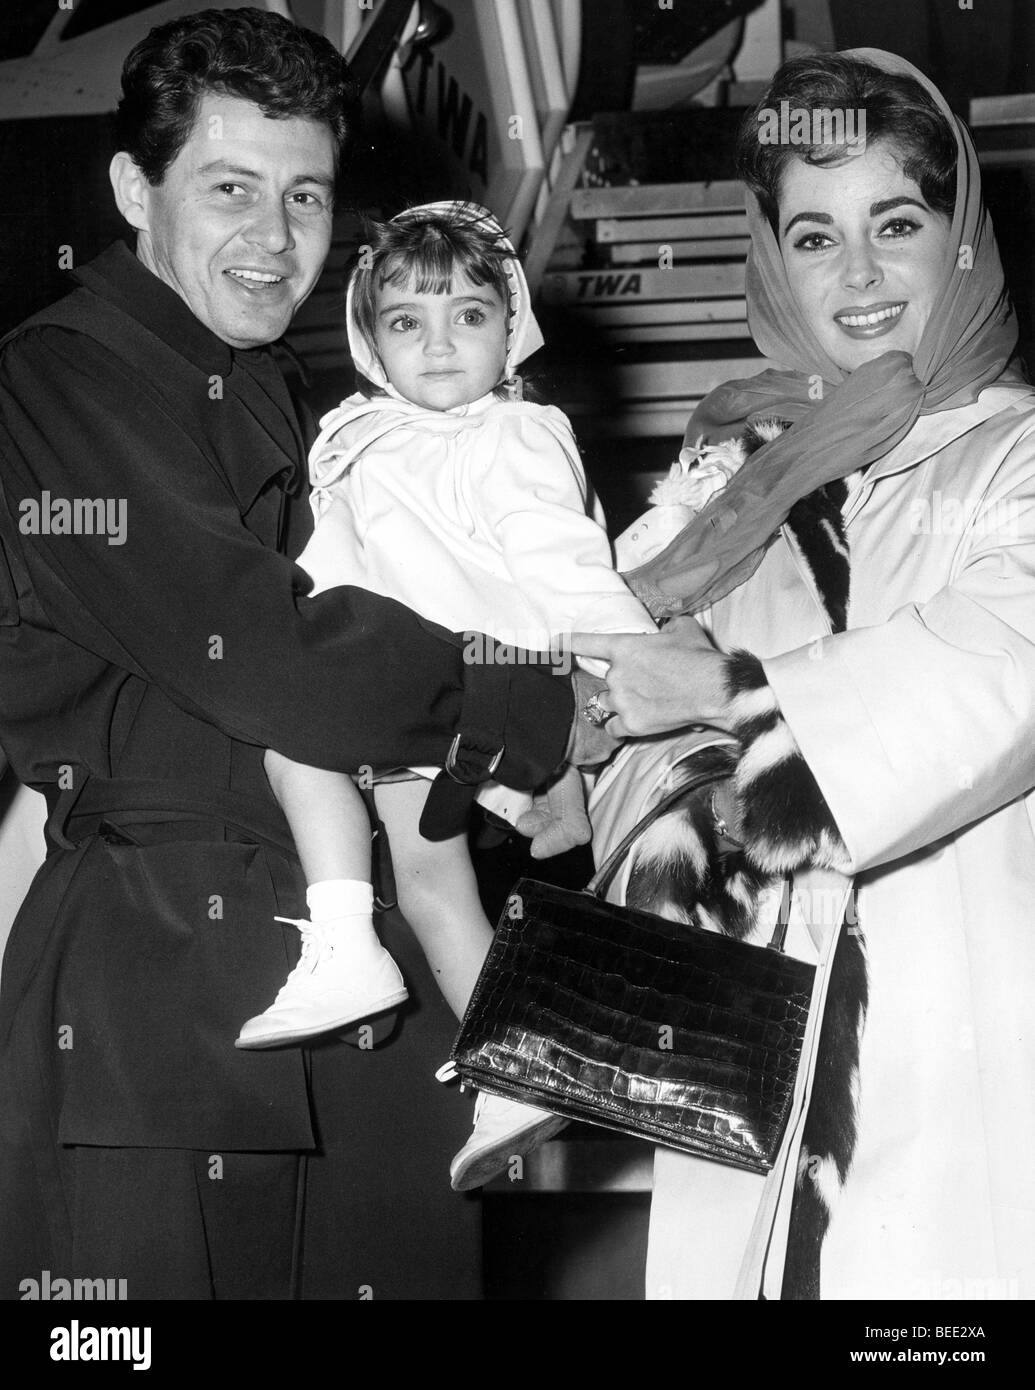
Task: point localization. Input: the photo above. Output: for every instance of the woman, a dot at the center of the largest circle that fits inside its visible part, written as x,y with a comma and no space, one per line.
876,659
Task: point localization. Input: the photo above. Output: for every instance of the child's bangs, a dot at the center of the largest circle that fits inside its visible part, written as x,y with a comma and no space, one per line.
430,266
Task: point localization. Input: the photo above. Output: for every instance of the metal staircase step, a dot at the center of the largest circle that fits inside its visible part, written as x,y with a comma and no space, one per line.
585,287
643,252
661,229
677,332
676,311
658,381
658,199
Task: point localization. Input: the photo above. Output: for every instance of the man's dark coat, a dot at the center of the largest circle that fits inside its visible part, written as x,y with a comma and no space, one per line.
140,683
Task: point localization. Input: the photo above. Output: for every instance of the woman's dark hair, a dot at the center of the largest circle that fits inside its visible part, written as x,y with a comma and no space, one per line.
898,111
252,54
426,250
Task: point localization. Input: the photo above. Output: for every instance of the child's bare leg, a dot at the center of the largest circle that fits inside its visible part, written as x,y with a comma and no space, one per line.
439,898
438,893
344,973
327,816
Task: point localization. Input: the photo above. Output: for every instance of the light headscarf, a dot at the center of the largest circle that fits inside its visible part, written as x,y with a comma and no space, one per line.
967,344
523,335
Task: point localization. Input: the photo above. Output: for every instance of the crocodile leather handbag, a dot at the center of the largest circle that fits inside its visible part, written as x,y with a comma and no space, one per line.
659,1029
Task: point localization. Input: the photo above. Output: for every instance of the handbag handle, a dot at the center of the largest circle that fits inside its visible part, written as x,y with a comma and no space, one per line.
714,772
718,770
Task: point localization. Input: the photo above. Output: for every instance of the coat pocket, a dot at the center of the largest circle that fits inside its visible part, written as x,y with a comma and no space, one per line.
168,949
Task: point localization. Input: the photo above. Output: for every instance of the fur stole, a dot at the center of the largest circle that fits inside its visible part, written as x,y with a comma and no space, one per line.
684,870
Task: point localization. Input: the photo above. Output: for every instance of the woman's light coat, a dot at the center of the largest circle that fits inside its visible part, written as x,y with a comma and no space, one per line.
919,725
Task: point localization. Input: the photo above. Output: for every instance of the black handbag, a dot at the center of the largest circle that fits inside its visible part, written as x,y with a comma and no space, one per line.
659,1029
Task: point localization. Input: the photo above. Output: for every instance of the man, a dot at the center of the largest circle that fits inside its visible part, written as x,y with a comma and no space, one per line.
153,646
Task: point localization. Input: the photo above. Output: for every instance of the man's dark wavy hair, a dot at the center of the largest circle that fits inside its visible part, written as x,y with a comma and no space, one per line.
252,54
898,110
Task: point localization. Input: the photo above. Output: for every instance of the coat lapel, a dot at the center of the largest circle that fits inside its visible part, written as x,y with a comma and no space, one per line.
930,435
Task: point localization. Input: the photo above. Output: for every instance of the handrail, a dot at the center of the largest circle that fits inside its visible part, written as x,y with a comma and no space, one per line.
376,41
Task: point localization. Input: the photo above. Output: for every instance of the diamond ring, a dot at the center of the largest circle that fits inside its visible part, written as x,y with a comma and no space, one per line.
595,713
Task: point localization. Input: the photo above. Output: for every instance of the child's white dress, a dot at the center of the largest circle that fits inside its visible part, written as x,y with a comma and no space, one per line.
478,518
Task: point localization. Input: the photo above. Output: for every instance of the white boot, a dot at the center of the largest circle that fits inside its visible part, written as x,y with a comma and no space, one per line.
341,977
503,1129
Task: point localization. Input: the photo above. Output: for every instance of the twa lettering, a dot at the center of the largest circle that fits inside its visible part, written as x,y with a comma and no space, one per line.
592,286
453,114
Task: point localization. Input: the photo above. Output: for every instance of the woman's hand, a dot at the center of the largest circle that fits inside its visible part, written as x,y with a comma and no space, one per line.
662,680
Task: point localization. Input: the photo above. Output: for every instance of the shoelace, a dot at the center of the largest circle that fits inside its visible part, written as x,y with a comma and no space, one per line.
313,946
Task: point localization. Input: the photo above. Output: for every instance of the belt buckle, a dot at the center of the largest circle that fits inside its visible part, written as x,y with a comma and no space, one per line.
461,741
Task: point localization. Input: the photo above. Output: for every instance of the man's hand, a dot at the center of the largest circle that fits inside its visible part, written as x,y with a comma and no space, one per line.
662,680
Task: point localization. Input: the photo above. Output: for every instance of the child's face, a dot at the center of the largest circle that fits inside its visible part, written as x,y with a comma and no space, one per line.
441,350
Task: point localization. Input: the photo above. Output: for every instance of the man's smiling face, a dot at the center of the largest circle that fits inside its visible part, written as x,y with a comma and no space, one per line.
240,226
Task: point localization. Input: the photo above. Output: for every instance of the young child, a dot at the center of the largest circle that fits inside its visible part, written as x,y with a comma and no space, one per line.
440,487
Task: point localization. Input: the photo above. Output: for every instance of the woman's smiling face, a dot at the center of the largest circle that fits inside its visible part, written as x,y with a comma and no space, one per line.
866,256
